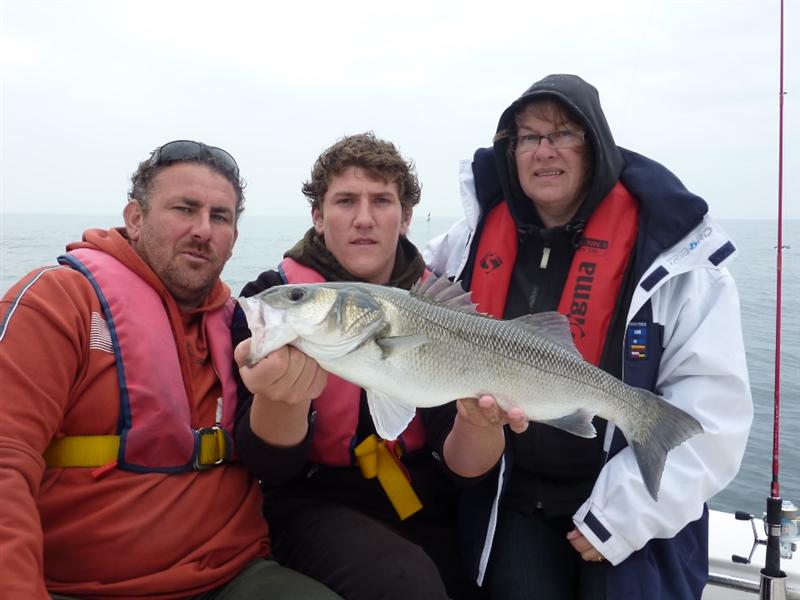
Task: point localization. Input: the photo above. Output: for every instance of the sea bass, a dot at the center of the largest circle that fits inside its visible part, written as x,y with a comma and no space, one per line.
429,346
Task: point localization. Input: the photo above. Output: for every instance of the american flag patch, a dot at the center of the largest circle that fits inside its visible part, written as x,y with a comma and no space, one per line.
100,335
636,341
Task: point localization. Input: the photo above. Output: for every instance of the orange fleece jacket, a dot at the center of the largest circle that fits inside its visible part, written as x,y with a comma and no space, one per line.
123,534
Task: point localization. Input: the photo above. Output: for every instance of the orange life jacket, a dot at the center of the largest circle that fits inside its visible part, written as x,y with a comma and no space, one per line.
155,431
595,277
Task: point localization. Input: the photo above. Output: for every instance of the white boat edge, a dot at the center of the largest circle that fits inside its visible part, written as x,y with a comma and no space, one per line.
731,581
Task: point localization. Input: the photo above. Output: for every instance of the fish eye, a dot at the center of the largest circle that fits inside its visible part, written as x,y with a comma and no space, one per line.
296,294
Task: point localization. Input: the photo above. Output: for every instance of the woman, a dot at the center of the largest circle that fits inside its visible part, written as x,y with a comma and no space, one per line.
563,219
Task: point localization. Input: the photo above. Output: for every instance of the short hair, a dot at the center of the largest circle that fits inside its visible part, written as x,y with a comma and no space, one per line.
378,157
142,180
547,109
550,110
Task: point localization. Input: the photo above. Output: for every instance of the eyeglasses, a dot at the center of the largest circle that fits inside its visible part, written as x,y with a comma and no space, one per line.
558,139
187,149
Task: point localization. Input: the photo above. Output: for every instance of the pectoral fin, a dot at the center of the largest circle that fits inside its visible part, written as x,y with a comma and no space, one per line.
400,343
391,417
578,423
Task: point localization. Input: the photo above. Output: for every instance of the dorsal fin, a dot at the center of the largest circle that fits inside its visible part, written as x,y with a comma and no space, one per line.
441,290
550,325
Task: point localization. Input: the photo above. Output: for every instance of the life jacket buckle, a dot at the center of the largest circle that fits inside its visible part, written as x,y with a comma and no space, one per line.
213,447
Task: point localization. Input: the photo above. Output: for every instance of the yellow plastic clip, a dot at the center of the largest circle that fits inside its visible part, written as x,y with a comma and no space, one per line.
376,459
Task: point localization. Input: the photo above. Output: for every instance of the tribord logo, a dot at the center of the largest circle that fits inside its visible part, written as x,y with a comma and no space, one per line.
688,248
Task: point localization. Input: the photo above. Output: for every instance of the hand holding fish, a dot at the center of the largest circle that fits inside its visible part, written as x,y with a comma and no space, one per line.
476,442
283,384
485,412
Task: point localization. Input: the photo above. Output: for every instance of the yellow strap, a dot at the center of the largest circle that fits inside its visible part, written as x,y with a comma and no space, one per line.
100,450
376,460
82,451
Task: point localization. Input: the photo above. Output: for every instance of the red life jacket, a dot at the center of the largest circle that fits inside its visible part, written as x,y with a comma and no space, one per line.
338,407
155,432
595,277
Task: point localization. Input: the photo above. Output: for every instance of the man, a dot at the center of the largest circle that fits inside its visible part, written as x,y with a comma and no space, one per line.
336,519
117,471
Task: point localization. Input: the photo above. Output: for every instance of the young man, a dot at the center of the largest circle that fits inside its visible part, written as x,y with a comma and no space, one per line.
329,520
117,471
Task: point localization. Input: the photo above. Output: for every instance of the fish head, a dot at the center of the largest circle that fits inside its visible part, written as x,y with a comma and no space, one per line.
324,321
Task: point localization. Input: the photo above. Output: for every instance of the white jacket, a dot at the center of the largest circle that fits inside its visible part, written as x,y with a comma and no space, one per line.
702,370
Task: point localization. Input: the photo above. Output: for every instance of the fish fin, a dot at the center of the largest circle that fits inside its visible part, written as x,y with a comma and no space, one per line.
440,290
578,423
390,416
663,427
401,343
550,325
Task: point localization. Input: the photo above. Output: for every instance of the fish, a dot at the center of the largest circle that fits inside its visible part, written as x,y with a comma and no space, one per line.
429,345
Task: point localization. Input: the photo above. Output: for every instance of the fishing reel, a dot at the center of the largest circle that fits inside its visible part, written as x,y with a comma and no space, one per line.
790,531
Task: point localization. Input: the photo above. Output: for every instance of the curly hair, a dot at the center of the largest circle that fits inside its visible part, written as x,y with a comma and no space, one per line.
378,157
147,171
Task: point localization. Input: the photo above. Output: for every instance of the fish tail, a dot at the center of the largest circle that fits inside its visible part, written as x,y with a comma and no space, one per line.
664,427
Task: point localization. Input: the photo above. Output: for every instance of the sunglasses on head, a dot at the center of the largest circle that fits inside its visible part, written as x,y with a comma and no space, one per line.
187,150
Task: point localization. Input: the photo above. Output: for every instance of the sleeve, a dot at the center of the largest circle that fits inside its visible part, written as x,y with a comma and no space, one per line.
44,321
438,423
271,465
446,254
703,370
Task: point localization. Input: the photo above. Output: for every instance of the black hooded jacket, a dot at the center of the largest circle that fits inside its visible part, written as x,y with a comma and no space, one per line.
554,470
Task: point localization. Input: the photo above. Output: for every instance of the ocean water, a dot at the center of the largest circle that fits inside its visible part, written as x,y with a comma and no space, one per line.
28,241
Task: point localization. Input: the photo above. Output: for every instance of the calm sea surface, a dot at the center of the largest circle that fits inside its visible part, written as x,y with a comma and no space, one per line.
27,241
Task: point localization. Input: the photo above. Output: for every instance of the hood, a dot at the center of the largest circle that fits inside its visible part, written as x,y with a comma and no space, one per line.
115,242
583,102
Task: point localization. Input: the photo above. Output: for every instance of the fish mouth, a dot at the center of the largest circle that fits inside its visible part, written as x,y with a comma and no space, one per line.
268,328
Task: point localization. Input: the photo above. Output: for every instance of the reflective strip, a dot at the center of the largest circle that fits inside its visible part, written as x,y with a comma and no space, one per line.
376,460
722,253
16,301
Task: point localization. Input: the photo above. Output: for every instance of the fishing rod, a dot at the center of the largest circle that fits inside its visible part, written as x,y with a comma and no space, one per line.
773,580
782,519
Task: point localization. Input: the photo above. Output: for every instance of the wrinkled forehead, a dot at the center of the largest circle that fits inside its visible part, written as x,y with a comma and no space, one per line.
546,109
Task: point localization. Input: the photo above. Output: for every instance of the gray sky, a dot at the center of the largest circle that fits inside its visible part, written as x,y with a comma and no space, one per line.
89,88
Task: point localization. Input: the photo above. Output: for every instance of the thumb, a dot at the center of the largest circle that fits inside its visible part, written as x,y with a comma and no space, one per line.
242,353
